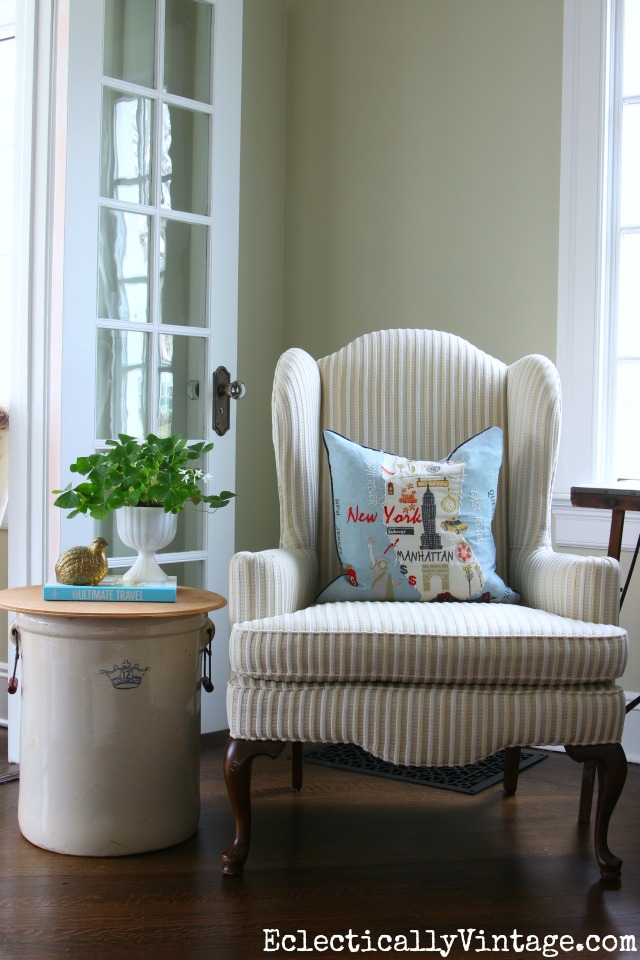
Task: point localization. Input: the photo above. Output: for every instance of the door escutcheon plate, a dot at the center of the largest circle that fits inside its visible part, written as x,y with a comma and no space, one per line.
224,390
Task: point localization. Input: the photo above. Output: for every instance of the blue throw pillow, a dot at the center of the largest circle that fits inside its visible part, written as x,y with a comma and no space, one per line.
416,529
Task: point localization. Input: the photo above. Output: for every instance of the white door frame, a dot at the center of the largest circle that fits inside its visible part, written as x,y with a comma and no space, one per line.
40,37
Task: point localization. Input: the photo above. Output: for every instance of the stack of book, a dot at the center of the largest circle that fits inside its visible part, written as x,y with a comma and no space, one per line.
113,589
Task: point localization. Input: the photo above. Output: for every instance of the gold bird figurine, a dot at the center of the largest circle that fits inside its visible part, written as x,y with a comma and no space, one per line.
83,566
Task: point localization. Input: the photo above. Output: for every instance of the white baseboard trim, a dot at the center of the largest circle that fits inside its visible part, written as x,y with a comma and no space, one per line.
630,736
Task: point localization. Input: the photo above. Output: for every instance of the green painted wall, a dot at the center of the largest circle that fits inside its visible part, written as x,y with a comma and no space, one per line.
400,167
422,170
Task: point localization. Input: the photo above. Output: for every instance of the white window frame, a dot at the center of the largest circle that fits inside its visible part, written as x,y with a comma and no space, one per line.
582,292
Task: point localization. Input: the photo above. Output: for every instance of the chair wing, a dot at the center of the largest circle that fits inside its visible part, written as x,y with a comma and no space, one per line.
584,588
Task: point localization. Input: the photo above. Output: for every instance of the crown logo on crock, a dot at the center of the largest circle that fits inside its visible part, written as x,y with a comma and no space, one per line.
126,677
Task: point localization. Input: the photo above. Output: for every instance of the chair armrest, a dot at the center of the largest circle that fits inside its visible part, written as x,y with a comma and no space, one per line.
584,588
271,582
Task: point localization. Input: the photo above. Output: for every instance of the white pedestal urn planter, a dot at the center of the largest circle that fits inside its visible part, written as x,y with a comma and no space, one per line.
146,529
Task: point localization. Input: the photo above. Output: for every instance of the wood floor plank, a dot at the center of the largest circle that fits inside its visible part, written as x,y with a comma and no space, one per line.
350,852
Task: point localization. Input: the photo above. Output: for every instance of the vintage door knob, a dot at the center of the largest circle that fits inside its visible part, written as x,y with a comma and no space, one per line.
223,391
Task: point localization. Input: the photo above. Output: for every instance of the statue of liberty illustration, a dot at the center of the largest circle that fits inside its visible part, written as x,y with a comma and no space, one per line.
382,583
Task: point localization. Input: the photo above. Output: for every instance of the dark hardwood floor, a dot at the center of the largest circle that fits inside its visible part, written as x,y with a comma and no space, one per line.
348,853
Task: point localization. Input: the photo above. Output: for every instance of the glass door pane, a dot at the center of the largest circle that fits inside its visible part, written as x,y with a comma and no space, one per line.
129,31
188,68
121,384
182,381
184,252
189,574
126,146
185,159
124,282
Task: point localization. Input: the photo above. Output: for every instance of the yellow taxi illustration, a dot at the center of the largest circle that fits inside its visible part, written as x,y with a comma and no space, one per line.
457,525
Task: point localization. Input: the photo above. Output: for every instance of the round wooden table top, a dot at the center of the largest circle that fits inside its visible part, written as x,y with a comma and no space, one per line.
189,600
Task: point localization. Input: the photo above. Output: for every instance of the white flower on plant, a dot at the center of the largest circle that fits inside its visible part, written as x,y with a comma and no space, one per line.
195,473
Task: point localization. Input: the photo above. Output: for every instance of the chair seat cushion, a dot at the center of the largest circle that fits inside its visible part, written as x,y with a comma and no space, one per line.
427,643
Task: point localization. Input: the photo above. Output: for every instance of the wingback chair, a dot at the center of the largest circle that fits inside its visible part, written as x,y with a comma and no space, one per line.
422,683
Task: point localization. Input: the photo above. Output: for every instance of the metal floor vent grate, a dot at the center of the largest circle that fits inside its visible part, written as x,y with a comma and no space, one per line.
471,778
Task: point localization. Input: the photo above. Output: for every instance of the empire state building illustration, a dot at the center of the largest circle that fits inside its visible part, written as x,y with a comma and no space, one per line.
430,540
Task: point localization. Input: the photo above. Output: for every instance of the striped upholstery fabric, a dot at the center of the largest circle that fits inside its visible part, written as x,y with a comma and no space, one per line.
437,725
428,643
422,683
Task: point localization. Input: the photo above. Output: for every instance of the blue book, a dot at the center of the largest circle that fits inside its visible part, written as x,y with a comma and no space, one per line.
114,589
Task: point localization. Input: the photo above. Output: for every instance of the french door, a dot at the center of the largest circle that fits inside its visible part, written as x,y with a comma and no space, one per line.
143,261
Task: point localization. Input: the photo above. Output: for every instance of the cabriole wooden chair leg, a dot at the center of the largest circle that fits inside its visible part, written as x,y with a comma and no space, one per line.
511,770
611,763
297,760
586,790
238,760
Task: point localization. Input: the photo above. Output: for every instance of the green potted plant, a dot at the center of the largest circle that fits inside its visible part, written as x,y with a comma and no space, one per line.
147,482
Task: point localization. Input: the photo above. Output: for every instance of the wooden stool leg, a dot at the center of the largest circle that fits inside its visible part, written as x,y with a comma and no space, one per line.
611,764
297,761
615,533
511,770
238,760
